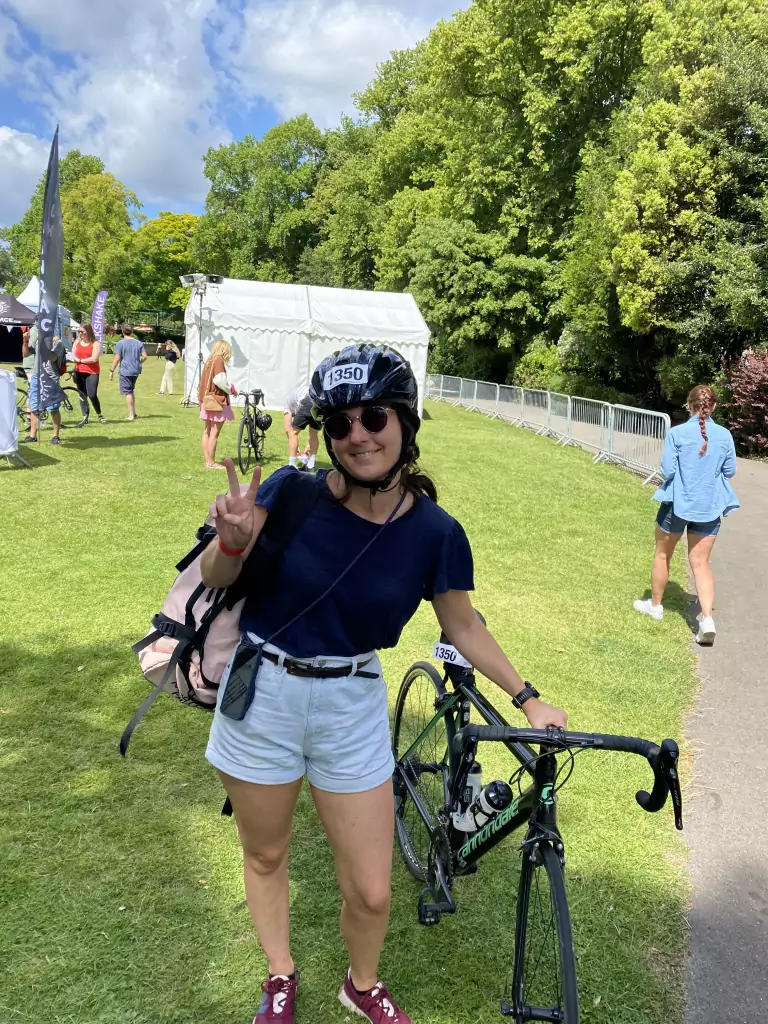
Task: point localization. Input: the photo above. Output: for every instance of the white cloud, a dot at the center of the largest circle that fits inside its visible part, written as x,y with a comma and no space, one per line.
311,55
24,159
131,80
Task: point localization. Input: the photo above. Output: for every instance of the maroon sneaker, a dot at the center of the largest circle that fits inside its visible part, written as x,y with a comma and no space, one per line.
278,1002
376,1005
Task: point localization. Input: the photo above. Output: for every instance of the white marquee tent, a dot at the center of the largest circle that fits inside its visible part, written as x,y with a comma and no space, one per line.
280,332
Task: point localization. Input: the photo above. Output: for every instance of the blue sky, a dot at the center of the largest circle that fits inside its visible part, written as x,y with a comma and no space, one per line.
149,85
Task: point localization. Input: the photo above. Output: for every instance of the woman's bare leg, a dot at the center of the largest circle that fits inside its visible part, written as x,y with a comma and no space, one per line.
360,829
699,550
665,548
215,431
263,815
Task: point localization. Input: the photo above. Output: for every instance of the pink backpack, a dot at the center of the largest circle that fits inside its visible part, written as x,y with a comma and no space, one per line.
197,629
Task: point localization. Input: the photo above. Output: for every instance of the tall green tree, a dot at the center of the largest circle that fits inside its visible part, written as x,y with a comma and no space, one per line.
256,224
8,272
142,271
96,212
666,272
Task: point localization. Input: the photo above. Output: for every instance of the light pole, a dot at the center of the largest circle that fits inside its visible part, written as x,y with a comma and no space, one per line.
199,282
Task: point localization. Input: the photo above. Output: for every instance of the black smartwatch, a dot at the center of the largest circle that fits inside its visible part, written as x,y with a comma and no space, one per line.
527,691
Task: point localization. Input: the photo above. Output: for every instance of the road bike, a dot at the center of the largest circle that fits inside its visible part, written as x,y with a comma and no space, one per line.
252,432
446,821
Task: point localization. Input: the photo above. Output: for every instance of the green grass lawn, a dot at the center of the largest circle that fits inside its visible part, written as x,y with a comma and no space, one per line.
121,895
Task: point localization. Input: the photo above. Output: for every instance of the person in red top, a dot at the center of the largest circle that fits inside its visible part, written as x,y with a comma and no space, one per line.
87,351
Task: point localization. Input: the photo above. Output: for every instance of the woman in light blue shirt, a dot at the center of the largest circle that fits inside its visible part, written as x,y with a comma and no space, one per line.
695,494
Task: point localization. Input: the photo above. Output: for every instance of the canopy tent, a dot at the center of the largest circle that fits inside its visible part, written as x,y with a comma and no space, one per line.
280,332
30,297
14,314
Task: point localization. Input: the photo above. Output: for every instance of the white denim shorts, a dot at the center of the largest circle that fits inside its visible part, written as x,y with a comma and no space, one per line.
334,731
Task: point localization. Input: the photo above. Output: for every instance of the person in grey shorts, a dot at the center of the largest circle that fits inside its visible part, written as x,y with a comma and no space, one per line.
304,694
129,355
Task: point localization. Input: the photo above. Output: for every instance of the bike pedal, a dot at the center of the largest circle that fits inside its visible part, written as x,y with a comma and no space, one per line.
429,913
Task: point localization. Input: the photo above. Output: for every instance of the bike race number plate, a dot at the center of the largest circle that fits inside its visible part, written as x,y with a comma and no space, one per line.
447,652
351,373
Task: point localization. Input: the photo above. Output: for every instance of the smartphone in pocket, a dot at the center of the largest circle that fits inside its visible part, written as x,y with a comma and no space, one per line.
240,687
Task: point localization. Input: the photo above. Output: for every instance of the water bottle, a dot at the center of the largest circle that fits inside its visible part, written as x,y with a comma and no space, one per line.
494,798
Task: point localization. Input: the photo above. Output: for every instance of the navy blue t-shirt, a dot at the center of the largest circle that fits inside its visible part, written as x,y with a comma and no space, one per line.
422,553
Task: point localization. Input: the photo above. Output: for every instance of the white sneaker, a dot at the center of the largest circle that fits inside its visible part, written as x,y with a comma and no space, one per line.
707,631
656,611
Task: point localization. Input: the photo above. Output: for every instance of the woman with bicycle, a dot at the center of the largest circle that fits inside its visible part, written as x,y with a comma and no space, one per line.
374,544
87,351
213,395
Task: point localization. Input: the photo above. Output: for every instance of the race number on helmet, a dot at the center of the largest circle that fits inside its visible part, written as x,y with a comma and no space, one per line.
360,375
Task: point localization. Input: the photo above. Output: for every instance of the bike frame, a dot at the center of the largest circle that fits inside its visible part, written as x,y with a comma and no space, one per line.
535,806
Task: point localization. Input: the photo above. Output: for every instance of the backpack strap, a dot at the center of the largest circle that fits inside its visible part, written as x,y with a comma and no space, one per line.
185,635
295,500
147,703
204,536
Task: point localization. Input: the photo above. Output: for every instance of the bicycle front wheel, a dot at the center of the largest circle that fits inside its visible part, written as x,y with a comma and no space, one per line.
420,742
245,444
543,985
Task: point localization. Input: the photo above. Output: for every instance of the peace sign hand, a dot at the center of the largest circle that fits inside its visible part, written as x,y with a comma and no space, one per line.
234,513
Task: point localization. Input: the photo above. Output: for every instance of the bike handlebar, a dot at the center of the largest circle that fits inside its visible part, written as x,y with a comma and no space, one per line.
662,759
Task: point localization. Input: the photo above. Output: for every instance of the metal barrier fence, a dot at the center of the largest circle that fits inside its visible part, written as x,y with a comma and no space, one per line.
615,433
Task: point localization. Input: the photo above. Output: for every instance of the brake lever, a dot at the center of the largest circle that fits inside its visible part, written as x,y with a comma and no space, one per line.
669,758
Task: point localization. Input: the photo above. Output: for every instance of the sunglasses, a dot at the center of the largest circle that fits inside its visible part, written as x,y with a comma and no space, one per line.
373,419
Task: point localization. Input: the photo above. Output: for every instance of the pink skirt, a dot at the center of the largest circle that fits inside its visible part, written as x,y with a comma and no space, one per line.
217,417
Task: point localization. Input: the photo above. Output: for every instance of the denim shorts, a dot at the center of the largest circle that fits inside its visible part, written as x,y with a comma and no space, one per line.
127,383
34,397
670,523
334,731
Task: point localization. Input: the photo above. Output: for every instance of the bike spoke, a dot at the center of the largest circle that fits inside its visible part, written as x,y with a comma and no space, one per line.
424,767
543,982
542,976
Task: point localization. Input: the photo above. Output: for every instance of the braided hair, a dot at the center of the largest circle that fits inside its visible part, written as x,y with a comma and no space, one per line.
701,401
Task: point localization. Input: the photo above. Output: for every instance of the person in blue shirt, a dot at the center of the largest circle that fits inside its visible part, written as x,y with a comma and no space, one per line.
129,355
699,459
320,704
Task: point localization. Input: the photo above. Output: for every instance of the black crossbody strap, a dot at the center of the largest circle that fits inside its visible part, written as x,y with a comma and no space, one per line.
341,575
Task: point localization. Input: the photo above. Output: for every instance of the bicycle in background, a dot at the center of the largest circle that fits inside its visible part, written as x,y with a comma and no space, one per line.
447,819
70,403
252,432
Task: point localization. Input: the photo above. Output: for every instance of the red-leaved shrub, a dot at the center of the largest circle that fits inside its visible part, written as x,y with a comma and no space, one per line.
745,409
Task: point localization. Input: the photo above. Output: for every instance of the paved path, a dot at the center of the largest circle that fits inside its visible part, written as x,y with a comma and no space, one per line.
727,812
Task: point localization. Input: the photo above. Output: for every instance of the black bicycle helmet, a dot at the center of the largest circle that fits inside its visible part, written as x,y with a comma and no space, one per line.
367,375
